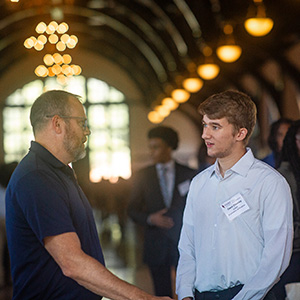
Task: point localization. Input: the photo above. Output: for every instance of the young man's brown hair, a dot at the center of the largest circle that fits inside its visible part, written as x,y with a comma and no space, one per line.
235,106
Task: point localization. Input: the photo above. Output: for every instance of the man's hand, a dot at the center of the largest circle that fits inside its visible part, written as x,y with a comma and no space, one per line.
160,220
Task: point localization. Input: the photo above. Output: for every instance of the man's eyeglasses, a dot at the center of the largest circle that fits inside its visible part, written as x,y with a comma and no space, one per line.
83,123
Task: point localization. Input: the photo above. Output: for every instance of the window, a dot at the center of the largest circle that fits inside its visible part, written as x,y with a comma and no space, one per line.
108,115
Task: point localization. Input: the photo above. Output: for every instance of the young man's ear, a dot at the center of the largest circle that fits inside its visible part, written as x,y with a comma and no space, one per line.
242,134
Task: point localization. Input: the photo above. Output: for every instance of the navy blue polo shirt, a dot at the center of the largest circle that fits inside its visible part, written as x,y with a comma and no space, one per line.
44,199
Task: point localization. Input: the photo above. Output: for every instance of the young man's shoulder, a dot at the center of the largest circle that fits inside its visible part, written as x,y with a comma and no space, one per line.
265,173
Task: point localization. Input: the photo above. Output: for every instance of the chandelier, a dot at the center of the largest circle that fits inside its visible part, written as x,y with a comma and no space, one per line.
55,64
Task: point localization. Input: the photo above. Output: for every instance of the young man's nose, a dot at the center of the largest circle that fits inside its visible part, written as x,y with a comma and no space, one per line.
205,133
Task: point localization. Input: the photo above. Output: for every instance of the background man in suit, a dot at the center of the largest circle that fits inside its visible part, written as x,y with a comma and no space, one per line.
157,202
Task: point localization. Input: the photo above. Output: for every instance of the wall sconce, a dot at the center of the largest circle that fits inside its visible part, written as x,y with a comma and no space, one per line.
228,51
257,24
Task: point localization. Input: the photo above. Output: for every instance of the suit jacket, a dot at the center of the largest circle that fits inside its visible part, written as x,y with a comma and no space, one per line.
160,245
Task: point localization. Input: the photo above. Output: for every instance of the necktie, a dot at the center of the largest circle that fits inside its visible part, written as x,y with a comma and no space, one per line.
164,186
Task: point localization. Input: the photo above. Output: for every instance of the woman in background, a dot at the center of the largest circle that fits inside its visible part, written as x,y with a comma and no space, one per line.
290,169
277,134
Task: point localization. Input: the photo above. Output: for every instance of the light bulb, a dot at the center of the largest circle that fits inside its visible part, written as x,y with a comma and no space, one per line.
259,26
192,85
208,71
180,95
229,53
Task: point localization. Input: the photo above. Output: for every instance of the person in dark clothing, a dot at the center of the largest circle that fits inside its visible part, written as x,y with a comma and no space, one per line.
275,141
6,169
157,202
52,238
290,169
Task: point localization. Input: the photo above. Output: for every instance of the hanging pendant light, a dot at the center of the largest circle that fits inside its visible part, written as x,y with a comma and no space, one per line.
170,103
180,95
229,51
192,84
258,24
208,70
154,117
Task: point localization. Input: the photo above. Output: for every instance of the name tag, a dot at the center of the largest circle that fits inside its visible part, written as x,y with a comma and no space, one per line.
183,187
234,206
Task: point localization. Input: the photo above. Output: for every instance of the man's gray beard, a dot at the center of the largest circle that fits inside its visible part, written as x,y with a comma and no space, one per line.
80,155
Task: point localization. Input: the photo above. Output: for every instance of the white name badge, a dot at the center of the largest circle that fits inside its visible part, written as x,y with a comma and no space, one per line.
234,206
183,187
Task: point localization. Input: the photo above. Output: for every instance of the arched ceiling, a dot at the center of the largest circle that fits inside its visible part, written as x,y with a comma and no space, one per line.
159,42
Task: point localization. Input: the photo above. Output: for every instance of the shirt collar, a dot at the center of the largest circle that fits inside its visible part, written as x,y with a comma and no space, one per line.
170,165
241,167
244,164
48,157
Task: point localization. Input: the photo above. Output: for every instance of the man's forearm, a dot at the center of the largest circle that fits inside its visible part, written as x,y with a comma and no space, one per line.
98,279
89,272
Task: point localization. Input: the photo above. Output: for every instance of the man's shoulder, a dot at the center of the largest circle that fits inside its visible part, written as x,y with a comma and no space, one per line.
31,171
146,171
264,172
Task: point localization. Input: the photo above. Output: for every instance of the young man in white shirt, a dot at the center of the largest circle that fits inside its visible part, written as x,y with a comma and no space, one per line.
236,238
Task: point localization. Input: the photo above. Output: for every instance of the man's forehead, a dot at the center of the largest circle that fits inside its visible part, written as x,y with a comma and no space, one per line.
207,120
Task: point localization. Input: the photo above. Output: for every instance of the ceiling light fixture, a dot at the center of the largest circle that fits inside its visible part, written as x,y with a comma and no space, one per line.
162,110
258,24
155,117
192,84
180,95
208,70
170,103
229,51
55,65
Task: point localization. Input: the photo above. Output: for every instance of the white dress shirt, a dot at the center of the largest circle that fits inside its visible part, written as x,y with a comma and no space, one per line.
252,249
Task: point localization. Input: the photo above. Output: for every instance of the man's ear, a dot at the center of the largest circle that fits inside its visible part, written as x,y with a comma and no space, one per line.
242,134
56,124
